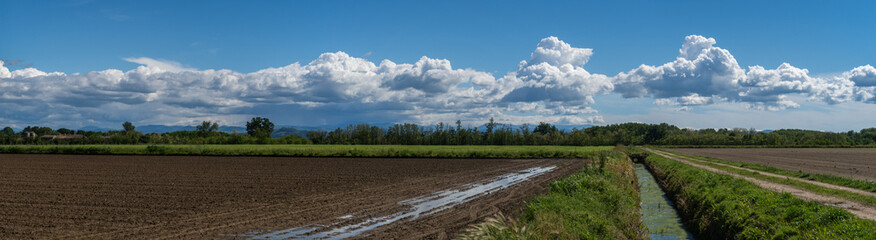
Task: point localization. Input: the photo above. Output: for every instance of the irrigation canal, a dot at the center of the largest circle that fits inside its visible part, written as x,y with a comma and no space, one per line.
660,218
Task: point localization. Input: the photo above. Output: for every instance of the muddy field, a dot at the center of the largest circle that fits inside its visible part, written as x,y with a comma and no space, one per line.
159,197
859,163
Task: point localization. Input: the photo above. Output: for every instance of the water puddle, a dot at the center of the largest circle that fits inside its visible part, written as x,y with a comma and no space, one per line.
661,219
416,207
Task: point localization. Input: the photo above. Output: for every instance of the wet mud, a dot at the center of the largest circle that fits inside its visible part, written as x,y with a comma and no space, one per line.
195,197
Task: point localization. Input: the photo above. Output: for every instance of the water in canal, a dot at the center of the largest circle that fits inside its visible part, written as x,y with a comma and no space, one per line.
660,218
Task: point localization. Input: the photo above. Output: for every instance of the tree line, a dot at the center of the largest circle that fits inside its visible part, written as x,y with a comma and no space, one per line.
258,131
491,133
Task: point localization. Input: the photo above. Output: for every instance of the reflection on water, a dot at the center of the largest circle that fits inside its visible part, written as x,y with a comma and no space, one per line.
661,219
416,208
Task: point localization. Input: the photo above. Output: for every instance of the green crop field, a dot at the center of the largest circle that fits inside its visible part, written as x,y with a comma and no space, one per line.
317,150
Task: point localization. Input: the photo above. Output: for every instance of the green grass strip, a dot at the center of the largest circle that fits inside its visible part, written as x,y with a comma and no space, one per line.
597,202
717,206
867,200
768,146
316,150
825,178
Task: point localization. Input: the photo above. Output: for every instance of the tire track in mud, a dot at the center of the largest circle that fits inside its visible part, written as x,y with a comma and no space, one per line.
372,210
857,209
235,217
191,197
276,214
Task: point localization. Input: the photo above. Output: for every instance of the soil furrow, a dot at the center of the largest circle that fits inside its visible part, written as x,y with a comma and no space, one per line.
194,197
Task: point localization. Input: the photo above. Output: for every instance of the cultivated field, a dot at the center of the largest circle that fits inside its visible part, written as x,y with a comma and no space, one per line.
155,197
307,150
858,163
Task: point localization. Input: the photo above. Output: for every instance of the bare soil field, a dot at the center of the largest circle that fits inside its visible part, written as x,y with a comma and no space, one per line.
160,197
859,163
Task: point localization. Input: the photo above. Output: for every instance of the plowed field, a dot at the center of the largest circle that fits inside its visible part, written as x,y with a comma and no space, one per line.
859,163
155,197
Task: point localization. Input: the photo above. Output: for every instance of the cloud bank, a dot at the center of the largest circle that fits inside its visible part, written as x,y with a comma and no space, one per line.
704,74
552,86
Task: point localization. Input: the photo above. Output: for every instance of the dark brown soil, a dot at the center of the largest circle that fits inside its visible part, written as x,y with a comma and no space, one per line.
859,163
185,197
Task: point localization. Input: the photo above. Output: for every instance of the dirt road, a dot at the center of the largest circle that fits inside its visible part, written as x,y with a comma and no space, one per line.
858,209
817,183
163,197
859,163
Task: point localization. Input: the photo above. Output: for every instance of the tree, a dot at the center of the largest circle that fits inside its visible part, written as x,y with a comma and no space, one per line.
7,131
129,127
207,126
65,131
39,130
491,125
545,128
318,136
260,127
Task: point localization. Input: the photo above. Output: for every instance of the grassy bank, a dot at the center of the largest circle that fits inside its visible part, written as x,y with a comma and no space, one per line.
825,178
768,146
717,206
316,150
863,199
598,202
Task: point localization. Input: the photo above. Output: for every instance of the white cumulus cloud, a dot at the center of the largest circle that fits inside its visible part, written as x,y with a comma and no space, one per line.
704,74
700,69
555,73
864,76
323,91
552,85
165,65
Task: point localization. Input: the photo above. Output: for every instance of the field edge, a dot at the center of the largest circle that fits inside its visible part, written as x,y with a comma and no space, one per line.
381,151
599,201
717,206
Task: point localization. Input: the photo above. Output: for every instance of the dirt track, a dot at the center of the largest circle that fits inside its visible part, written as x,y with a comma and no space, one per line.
817,183
857,163
158,197
858,209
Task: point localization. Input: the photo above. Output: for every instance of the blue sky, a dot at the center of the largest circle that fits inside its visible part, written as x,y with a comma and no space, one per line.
828,47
